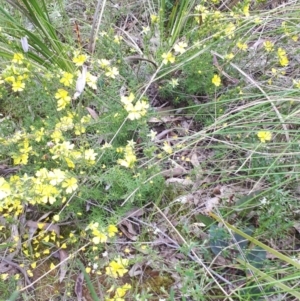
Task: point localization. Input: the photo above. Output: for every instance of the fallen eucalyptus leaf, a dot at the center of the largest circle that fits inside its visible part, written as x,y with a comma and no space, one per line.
78,286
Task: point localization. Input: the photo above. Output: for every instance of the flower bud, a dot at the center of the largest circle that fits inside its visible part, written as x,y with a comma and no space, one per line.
80,83
24,44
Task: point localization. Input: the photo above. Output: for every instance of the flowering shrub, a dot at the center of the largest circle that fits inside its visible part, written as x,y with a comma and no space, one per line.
57,154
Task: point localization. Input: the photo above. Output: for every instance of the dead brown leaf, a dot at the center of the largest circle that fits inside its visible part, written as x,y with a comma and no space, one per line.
63,268
136,269
128,230
93,113
194,160
78,286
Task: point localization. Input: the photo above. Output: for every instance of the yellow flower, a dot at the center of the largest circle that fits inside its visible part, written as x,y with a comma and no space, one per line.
295,38
168,57
18,86
104,63
246,10
129,156
283,59
297,83
174,82
145,29
112,230
4,276
269,46
242,46
117,39
216,80
201,9
281,52
18,58
89,155
56,217
67,79
154,18
52,266
135,111
180,47
5,189
167,148
98,236
57,136
65,124
79,59
62,99
127,99
229,30
152,135
112,72
138,110
121,292
70,184
56,176
97,239
91,80
88,270
229,56
47,193
20,159
264,136
117,268
10,79
128,161
39,135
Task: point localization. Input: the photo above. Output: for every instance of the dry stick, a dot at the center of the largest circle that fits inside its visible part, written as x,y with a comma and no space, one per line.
94,33
208,271
251,80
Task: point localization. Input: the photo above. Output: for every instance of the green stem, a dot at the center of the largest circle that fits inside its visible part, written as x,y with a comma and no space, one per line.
88,281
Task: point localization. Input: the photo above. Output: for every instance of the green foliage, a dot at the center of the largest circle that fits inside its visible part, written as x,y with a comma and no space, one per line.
175,19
